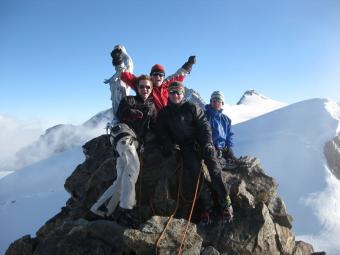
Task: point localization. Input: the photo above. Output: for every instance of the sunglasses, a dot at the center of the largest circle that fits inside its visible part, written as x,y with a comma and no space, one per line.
216,101
177,92
144,87
158,74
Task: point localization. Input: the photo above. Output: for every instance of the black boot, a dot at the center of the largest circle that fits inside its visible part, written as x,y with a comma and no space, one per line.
126,218
228,215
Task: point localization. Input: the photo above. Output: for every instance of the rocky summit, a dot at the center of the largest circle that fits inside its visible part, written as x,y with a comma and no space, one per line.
261,223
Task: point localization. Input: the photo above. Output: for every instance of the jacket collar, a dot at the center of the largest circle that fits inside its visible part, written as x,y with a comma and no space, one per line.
176,106
212,110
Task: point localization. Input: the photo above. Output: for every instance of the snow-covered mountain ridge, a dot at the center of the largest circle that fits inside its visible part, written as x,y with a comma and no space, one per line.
289,142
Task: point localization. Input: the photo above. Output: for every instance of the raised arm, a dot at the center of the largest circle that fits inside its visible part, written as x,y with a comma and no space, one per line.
182,72
130,79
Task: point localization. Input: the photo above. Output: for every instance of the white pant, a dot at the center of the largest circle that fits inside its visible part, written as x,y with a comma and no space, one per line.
122,190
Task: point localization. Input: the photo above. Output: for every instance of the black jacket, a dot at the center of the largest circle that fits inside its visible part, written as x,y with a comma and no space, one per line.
183,124
140,125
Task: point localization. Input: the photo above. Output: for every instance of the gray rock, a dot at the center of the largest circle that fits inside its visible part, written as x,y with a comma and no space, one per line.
332,154
23,246
302,248
143,241
210,251
82,237
285,239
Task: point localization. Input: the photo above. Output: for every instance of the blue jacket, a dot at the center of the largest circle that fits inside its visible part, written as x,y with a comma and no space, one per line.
220,127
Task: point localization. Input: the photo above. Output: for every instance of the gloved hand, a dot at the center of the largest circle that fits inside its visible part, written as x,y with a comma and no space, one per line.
209,150
192,60
116,61
188,65
135,114
116,52
228,214
229,154
116,55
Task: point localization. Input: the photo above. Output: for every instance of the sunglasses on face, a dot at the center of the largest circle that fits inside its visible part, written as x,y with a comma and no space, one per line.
177,92
216,101
158,74
144,87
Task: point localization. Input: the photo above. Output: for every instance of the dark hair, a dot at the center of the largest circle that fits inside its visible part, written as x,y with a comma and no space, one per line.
144,77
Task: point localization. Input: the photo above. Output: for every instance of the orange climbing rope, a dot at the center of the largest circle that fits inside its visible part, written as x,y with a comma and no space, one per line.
191,211
173,214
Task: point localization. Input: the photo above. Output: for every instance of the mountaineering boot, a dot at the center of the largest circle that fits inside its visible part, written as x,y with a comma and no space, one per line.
101,211
126,218
205,219
228,215
219,153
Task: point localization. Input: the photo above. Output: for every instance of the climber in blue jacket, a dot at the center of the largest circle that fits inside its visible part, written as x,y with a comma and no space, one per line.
220,126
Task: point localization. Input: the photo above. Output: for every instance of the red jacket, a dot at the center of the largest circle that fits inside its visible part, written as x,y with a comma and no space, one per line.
159,94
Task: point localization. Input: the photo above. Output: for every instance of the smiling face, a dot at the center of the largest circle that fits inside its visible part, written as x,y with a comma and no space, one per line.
157,78
144,89
176,96
216,104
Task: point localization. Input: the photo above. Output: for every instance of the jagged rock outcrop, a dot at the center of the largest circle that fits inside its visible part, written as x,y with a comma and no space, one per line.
194,97
143,241
332,154
261,224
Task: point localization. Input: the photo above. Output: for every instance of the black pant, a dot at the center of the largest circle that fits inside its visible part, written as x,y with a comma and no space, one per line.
219,189
191,170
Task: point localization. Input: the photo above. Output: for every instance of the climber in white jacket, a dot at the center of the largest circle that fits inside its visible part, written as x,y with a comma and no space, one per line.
122,63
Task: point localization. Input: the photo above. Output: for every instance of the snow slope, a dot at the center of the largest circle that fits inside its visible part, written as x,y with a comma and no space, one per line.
34,194
289,143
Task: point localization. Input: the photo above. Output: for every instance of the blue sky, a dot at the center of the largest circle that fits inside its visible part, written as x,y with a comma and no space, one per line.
54,55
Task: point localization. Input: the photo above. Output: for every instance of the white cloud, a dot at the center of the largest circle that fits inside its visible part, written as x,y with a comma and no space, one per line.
326,206
16,134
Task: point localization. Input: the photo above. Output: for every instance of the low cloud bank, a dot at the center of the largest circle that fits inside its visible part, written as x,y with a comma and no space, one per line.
14,136
326,206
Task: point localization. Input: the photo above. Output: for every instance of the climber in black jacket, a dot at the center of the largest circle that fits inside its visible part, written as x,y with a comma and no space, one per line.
184,124
137,117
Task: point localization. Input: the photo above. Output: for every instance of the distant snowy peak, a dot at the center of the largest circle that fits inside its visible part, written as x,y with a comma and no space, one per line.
251,96
99,119
252,104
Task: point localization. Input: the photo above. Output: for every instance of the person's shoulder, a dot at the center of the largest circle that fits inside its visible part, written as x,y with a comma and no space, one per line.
193,107
189,104
225,116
